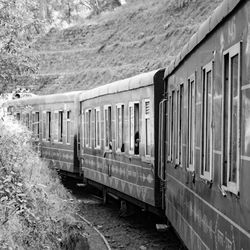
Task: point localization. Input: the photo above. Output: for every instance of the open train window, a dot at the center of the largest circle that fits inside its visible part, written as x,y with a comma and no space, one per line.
27,120
147,127
169,149
120,128
88,125
97,128
68,127
35,124
207,111
108,127
60,126
83,136
44,125
180,123
134,128
231,118
173,125
48,126
18,116
191,122
178,127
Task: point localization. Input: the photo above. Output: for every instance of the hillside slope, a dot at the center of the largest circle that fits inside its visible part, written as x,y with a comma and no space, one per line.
141,36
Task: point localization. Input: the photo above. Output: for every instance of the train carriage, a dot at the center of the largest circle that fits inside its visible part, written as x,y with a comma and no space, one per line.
118,143
54,122
204,132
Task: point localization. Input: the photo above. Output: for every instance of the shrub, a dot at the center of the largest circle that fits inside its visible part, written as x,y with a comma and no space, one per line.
36,211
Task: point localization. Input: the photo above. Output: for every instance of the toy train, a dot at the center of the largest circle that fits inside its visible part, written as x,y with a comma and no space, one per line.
175,140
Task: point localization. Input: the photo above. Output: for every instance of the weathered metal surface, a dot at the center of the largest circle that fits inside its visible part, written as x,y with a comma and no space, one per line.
205,215
138,81
133,175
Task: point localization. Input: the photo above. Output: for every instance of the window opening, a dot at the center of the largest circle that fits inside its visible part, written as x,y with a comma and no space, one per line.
36,124
68,135
134,133
191,121
97,128
120,127
108,127
170,127
207,83
44,125
18,116
147,128
231,118
181,115
88,128
48,126
27,120
83,135
60,126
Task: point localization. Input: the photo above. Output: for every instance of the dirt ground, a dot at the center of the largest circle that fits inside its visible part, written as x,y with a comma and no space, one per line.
135,230
141,36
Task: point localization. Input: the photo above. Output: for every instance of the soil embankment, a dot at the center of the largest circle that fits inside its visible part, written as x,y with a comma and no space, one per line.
137,37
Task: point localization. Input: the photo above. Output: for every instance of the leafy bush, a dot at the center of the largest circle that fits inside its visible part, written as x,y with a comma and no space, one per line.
36,211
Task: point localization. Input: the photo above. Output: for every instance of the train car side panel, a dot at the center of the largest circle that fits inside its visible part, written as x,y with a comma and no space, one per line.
207,197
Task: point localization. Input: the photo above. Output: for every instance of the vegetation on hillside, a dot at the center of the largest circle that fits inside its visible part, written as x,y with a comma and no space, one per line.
23,21
140,36
36,211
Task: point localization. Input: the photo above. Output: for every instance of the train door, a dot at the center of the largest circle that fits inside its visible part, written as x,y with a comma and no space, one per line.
162,150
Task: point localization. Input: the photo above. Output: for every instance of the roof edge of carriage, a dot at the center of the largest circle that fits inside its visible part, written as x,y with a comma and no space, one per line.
43,99
134,82
208,26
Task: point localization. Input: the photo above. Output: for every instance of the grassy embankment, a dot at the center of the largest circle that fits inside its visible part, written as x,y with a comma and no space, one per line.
36,211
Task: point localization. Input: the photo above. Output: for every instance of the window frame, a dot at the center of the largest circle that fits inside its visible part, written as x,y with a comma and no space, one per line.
82,128
191,122
170,126
97,110
208,175
48,126
106,138
130,134
68,124
36,124
60,125
44,125
173,125
145,118
88,128
234,50
180,121
122,107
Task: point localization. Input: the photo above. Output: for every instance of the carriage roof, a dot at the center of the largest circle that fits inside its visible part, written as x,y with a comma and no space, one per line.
138,81
44,99
219,14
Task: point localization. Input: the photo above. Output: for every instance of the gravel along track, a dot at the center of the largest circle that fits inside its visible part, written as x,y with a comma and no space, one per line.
136,231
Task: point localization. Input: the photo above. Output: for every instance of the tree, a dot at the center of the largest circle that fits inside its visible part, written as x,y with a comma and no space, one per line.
20,23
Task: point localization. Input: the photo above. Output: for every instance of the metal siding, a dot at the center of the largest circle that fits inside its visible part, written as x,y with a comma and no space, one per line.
198,210
126,173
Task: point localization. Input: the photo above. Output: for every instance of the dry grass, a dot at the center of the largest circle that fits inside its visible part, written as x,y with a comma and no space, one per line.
141,36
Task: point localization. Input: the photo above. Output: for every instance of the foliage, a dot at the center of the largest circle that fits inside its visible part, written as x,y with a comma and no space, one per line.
36,211
23,21
19,25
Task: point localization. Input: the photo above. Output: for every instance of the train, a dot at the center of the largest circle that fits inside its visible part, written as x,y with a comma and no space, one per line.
174,141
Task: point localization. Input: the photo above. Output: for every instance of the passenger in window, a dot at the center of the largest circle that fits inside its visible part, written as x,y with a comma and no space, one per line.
110,145
137,142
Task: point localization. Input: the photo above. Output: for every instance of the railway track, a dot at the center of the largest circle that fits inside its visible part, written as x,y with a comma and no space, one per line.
107,229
